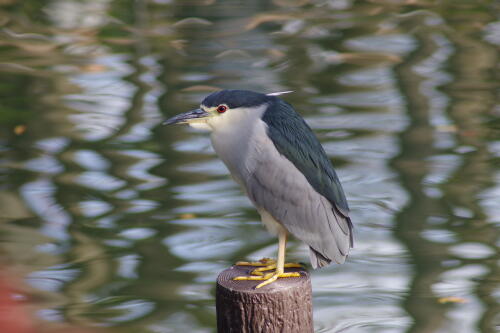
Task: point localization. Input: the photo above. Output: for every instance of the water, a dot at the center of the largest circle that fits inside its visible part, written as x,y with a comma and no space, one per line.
111,222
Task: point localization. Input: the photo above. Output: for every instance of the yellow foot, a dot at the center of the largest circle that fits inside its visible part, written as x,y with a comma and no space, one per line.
260,271
266,264
267,278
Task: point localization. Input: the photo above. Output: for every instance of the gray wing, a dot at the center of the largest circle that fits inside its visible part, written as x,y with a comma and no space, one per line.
276,185
295,140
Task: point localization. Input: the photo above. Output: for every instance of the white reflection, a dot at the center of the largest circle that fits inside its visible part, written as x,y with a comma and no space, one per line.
131,310
68,14
52,279
90,160
492,32
99,181
92,208
204,243
389,98
137,233
364,317
140,206
104,100
218,197
385,122
127,266
400,44
441,167
460,281
378,76
178,322
44,164
211,167
145,160
39,195
472,251
439,236
52,145
199,144
489,200
50,315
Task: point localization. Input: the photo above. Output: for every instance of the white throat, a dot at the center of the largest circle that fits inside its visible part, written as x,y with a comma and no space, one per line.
233,135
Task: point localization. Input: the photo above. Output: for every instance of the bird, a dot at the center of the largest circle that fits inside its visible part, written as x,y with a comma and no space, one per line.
273,154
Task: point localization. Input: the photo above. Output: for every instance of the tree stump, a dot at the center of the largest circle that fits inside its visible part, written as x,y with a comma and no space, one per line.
282,306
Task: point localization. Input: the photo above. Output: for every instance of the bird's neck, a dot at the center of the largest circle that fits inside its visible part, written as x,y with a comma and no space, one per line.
233,139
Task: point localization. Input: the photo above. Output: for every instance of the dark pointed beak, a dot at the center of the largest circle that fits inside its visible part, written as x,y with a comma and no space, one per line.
186,117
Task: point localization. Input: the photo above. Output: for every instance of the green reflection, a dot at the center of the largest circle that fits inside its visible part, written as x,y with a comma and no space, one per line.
117,221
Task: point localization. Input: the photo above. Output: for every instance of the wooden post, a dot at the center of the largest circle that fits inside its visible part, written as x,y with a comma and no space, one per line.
282,306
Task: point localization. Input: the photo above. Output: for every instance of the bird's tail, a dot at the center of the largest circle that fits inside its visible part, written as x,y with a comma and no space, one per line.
320,260
317,259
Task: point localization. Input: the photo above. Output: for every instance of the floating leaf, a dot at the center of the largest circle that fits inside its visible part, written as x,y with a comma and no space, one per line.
447,128
179,44
25,36
275,53
235,53
192,21
451,299
19,129
369,57
35,47
17,68
187,216
94,68
119,41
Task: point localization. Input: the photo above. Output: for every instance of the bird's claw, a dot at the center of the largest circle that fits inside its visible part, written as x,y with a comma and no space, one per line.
261,262
265,264
267,278
260,271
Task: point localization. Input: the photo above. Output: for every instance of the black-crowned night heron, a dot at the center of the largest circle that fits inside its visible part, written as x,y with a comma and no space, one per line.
276,158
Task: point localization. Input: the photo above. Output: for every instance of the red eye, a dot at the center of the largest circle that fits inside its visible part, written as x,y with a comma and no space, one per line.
221,108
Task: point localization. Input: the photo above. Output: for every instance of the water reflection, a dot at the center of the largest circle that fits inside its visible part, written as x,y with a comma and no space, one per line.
113,220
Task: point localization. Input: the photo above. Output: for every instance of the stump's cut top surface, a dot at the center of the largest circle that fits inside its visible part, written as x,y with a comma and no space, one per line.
225,279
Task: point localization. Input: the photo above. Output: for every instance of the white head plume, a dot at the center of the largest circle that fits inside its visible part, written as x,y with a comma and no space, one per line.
279,93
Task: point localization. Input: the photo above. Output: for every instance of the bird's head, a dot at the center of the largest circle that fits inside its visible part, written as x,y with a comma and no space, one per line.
223,108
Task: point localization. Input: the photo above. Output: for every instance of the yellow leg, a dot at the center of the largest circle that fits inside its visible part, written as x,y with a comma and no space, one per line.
269,264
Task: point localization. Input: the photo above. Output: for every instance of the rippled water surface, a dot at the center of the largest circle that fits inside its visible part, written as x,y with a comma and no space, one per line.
110,222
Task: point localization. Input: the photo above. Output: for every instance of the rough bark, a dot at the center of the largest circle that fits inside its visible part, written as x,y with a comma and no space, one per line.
282,306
